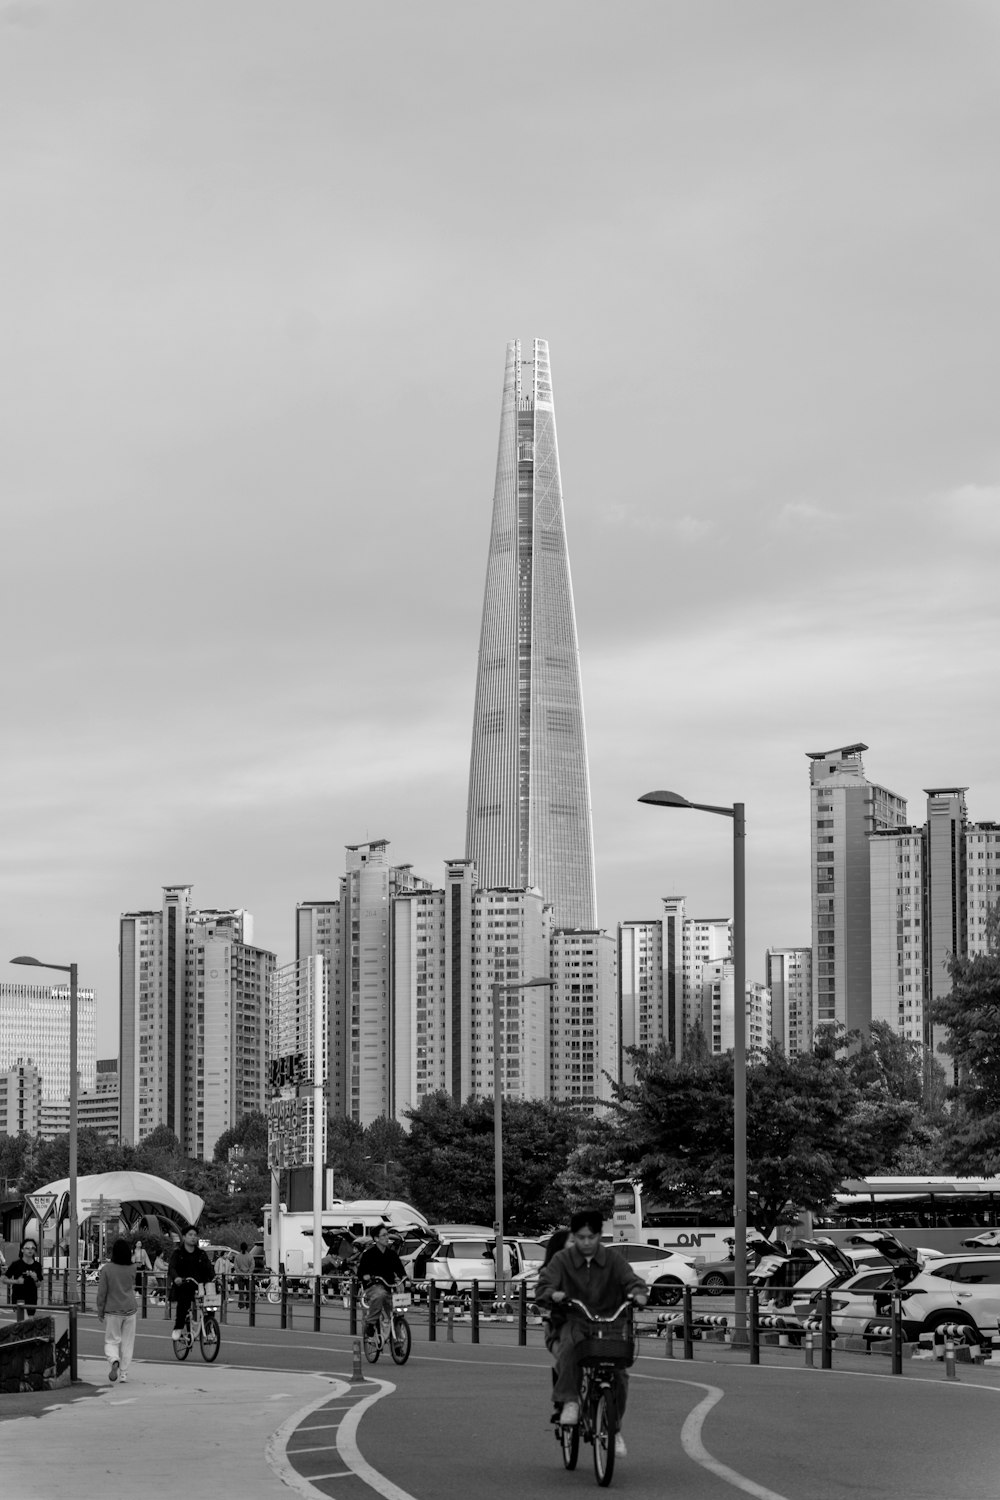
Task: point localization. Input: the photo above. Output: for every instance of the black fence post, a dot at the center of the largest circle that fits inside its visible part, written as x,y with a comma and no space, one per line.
475,1312
144,1294
317,1297
522,1314
432,1332
897,1334
83,1290
688,1328
753,1309
354,1306
284,1300
826,1334
223,1298
252,1298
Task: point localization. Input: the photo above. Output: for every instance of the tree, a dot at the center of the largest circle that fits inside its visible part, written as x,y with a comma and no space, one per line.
249,1133
449,1155
809,1126
971,1012
159,1153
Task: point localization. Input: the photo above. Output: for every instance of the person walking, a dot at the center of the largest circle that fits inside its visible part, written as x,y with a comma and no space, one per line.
116,1308
23,1276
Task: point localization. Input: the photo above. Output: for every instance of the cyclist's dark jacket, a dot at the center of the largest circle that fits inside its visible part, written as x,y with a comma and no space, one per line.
602,1284
189,1263
384,1263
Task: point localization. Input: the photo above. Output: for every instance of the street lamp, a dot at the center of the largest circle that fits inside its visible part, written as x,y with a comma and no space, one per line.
74,1257
499,988
736,811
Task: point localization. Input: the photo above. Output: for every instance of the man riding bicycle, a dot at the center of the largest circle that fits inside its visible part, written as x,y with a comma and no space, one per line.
188,1264
380,1263
591,1273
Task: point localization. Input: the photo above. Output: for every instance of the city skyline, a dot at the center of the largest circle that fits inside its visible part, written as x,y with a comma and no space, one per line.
250,420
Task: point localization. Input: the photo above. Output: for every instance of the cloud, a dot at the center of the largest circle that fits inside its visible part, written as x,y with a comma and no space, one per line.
795,515
972,509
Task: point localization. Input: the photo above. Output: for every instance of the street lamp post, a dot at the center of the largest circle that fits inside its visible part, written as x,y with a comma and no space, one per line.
498,988
736,812
74,1249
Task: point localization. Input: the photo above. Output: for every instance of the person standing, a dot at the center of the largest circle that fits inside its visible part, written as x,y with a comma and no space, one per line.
188,1265
141,1261
23,1276
243,1266
116,1307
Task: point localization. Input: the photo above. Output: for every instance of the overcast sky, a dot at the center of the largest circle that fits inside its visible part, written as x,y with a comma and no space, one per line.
259,263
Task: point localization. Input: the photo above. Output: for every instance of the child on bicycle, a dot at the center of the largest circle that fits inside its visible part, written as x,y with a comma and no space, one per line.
188,1264
592,1273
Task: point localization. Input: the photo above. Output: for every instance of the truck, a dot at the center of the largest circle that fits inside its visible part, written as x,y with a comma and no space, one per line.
289,1244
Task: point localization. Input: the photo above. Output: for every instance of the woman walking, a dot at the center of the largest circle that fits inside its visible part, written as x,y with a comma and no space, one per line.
116,1307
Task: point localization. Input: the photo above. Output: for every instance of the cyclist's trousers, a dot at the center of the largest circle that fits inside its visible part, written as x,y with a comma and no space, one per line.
567,1386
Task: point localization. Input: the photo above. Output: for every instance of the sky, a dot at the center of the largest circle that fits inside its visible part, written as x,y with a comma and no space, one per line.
259,264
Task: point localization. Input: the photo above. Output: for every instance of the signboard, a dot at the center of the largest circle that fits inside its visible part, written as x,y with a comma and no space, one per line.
41,1204
103,1209
289,1133
288,1071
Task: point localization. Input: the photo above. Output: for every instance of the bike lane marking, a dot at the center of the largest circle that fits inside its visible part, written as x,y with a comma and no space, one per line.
354,1470
695,1449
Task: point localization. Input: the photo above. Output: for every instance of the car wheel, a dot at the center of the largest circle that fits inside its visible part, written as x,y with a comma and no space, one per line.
714,1284
666,1292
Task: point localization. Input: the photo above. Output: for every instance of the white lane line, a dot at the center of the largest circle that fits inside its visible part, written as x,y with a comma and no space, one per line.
351,1454
696,1450
276,1445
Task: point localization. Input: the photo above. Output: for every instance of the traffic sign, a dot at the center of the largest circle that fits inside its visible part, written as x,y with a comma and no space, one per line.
102,1209
41,1204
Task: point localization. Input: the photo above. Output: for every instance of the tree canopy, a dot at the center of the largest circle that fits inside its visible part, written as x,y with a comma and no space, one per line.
971,1012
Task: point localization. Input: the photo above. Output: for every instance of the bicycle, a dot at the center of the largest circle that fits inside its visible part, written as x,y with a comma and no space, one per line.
606,1350
201,1323
391,1328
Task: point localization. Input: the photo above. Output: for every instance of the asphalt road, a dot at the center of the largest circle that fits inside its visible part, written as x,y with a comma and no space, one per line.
473,1420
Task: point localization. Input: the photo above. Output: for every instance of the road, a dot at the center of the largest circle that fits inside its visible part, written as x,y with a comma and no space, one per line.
466,1419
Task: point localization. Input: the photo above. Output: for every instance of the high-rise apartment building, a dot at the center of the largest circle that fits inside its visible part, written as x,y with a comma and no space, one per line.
317,935
34,1026
932,887
715,993
584,1051
529,813
194,992
660,964
788,977
21,1098
845,808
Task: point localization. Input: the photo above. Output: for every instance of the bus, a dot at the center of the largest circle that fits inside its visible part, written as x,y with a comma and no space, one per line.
944,1214
931,1213
697,1233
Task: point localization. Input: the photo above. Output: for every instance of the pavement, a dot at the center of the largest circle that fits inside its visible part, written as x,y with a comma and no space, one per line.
230,1431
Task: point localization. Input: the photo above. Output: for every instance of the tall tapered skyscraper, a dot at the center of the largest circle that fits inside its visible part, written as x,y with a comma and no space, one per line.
529,820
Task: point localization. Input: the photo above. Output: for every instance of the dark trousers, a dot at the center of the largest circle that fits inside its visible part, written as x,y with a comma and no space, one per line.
567,1386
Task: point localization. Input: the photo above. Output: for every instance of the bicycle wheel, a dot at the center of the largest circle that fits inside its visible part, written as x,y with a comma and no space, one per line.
399,1340
372,1345
605,1427
182,1346
569,1441
210,1338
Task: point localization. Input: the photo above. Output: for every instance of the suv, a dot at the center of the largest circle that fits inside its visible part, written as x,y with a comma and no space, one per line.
665,1273
962,1287
456,1264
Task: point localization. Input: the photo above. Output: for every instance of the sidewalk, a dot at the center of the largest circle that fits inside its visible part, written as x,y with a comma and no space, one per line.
197,1428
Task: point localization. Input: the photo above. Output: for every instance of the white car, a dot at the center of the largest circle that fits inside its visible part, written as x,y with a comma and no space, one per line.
456,1264
665,1273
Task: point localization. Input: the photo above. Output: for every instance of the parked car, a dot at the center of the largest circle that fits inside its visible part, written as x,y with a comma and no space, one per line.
717,1276
988,1240
850,1295
665,1273
935,1289
455,1264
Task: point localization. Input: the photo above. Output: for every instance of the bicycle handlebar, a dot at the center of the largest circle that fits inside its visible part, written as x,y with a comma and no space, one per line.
594,1318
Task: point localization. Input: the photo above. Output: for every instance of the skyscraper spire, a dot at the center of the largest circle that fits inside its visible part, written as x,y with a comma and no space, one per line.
529,819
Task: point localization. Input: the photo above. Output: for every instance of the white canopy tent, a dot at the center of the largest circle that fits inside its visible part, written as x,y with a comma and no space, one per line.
139,1191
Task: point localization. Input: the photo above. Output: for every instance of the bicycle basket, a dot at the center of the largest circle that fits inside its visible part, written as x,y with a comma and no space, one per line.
606,1346
402,1299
